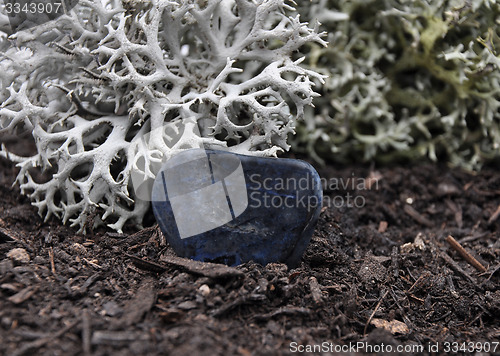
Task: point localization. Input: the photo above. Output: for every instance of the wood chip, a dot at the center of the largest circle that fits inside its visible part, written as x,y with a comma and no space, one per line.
12,287
394,326
244,352
92,263
171,315
315,290
7,235
23,295
140,304
117,338
447,189
19,255
417,244
206,269
187,305
382,226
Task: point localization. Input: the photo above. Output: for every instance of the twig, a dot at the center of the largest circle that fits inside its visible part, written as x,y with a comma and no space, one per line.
449,279
92,74
493,271
395,261
456,267
92,263
473,237
401,310
86,332
147,265
73,97
419,281
128,239
417,298
495,215
417,216
52,264
374,311
466,255
292,311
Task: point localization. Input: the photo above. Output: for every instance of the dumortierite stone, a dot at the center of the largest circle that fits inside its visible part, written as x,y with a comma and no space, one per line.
223,207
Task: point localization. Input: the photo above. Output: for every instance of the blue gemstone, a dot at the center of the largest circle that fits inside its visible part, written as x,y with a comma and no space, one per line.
223,207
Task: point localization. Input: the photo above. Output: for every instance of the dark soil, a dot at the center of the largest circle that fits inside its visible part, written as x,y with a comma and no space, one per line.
107,294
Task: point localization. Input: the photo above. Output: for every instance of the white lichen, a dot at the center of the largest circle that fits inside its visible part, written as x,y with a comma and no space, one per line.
93,82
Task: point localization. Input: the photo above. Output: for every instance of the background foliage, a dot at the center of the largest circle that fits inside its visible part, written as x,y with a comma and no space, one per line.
407,80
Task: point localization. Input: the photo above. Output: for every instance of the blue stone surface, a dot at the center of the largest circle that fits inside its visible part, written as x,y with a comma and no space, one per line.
223,207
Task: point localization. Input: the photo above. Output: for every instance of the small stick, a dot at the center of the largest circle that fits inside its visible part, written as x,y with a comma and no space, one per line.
293,311
417,298
419,281
52,264
466,255
422,220
494,216
395,260
93,264
456,267
374,311
494,271
86,333
146,265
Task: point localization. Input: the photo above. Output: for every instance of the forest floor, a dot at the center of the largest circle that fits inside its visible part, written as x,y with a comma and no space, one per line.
379,276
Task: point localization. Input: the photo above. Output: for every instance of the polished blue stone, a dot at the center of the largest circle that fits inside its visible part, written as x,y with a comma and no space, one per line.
223,207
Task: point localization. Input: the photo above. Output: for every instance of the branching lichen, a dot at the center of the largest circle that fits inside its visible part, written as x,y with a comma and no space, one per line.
93,82
407,79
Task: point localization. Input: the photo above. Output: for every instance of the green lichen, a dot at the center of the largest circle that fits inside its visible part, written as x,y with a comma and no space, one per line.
407,79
